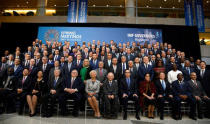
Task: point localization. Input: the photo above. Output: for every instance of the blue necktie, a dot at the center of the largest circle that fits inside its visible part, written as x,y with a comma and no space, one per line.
54,83
163,84
123,67
128,82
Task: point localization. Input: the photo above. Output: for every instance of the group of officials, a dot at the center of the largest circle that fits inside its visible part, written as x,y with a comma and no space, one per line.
106,76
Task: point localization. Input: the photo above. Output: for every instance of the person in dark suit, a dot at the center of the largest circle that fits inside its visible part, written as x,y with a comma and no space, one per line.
145,68
17,68
72,89
187,70
38,61
85,54
133,70
68,67
32,69
129,91
129,56
108,61
123,65
57,57
115,69
164,93
7,91
3,67
56,66
78,63
45,68
204,78
23,88
182,92
55,88
94,62
200,95
110,89
101,72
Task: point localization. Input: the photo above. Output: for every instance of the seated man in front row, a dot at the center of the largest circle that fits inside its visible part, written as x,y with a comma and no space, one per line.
129,91
110,88
199,94
72,87
55,87
182,92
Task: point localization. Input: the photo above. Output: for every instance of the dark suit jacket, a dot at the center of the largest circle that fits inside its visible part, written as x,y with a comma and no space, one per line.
18,71
133,89
93,66
205,81
186,74
131,57
116,74
110,90
66,70
26,86
77,84
177,90
58,87
33,72
46,72
143,71
161,91
79,66
106,65
197,90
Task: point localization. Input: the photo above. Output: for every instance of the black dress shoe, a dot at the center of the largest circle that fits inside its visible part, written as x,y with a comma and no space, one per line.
193,117
137,117
200,116
125,116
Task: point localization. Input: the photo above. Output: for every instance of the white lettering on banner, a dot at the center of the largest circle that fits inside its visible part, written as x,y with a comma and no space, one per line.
149,36
70,35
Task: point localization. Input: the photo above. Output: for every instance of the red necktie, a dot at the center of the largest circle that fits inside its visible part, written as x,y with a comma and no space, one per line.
23,80
101,72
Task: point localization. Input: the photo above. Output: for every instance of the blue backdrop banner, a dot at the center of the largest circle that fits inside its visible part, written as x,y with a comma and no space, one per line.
188,11
82,14
199,14
72,11
87,34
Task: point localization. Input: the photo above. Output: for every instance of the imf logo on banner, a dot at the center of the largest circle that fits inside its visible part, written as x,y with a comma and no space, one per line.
51,35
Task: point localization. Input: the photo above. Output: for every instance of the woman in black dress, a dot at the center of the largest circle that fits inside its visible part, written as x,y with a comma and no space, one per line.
39,88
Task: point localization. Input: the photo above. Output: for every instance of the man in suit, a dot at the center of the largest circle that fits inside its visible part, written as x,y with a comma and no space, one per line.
55,88
23,88
7,90
78,62
85,54
57,57
68,67
129,91
72,89
26,62
94,62
200,95
110,89
17,68
101,72
115,69
122,66
108,61
56,66
3,67
182,92
32,69
38,60
145,68
204,78
164,93
132,69
187,70
45,68
129,56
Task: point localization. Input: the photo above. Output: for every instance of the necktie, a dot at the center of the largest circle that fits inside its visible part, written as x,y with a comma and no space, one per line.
202,73
55,81
123,67
72,82
69,67
163,84
195,83
110,83
128,82
77,62
101,72
44,68
23,80
188,70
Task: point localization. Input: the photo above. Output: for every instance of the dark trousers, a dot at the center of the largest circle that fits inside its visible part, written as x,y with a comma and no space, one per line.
200,104
49,99
62,100
22,100
190,100
7,97
125,103
161,103
111,105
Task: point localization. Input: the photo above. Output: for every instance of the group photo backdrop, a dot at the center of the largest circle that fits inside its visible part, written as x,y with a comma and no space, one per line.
184,38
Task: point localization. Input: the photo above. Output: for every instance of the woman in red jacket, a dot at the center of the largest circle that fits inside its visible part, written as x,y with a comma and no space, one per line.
147,92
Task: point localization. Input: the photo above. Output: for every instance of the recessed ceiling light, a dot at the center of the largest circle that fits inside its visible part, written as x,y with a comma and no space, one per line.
160,7
120,5
207,1
150,0
173,7
179,1
27,2
55,5
94,5
165,0
147,6
107,5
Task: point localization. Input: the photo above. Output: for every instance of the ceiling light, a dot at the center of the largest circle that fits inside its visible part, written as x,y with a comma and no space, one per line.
179,1
173,7
147,6
94,5
207,1
55,5
160,7
165,0
120,5
107,5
